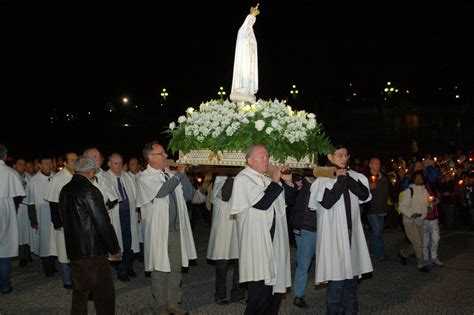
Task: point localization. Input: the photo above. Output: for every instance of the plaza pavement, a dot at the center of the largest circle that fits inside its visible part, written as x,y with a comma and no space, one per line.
391,289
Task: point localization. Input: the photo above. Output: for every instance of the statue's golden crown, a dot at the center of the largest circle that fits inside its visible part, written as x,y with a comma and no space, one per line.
254,10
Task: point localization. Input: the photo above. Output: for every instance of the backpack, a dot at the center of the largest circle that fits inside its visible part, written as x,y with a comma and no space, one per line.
400,196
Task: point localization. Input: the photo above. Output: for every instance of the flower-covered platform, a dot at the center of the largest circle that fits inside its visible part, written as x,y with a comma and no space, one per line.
219,132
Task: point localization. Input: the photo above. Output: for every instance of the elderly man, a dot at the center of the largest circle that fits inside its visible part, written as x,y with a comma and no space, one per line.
57,245
342,255
123,215
110,195
169,243
259,204
89,239
11,194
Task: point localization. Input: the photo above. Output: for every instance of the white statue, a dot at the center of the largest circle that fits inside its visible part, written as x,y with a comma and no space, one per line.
245,78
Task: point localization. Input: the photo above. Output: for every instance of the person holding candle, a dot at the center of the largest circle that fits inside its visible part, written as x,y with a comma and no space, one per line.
431,234
414,205
376,210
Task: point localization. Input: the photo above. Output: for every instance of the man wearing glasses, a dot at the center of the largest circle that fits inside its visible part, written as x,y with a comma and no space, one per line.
169,243
342,255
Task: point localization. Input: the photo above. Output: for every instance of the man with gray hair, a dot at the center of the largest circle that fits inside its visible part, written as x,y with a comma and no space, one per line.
264,253
110,195
11,194
169,242
90,238
123,215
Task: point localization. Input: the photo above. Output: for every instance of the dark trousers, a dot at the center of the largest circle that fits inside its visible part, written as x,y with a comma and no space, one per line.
92,276
48,265
126,264
222,267
341,297
261,300
24,252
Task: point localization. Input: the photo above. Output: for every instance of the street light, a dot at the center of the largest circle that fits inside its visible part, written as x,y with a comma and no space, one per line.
389,90
294,91
221,93
164,94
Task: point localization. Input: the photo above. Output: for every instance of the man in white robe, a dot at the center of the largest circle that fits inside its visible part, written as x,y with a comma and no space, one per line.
134,170
11,194
123,215
223,242
26,234
40,213
111,196
342,255
264,256
169,243
57,246
245,76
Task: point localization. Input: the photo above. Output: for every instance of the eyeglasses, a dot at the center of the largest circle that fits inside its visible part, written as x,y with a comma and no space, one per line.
158,153
341,155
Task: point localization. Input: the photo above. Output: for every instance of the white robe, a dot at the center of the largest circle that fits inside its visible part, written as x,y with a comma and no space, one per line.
35,194
26,234
223,241
57,245
10,186
139,226
131,189
259,257
336,259
245,76
109,192
155,217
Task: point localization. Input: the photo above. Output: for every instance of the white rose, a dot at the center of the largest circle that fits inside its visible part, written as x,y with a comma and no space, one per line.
311,116
259,124
311,124
172,125
181,119
269,130
190,110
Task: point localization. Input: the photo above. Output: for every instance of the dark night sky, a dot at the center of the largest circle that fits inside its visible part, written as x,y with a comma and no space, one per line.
80,58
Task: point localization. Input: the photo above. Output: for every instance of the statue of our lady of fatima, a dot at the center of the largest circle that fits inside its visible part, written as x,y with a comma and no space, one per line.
245,78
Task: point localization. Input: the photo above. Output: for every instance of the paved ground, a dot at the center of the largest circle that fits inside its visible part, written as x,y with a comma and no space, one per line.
392,289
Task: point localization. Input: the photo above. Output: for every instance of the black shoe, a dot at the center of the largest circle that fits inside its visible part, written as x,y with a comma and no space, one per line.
403,260
423,269
299,302
148,274
8,290
67,286
49,275
383,258
221,301
123,278
132,273
23,262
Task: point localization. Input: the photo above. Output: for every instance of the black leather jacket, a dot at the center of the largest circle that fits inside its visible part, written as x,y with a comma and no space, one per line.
87,228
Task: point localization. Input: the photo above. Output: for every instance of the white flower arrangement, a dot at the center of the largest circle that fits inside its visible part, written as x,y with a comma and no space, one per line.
222,125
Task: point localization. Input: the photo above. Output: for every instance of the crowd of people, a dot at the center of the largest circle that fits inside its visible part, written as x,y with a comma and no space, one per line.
82,219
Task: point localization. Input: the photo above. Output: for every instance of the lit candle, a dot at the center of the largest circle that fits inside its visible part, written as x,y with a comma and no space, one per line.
374,178
430,198
460,182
